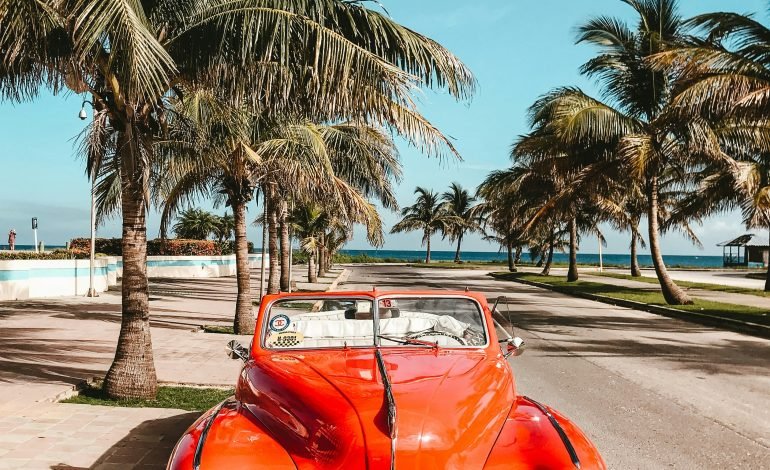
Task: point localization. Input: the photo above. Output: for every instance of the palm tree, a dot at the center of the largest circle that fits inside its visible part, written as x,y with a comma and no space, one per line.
459,203
351,163
500,212
427,214
196,224
332,58
651,138
724,78
225,225
307,222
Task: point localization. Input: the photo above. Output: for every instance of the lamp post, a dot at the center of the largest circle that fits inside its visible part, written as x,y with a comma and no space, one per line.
264,243
92,255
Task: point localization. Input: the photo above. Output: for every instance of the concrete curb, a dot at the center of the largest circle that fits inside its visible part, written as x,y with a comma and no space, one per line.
754,329
344,275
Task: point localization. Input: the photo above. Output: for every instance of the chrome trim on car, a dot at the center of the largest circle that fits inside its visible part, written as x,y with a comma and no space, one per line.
391,406
204,434
563,435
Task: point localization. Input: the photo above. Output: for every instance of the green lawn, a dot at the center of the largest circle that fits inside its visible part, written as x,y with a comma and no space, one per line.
690,285
182,398
736,312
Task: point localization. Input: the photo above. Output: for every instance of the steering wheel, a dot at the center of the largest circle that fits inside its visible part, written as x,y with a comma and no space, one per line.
422,334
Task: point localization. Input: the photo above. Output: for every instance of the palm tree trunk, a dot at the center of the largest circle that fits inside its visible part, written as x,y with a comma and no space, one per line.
285,246
457,253
322,255
243,323
635,271
312,275
673,294
427,250
572,273
511,262
540,260
132,373
547,268
517,258
273,284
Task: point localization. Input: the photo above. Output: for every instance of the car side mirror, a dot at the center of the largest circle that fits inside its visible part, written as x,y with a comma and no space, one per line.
236,351
514,347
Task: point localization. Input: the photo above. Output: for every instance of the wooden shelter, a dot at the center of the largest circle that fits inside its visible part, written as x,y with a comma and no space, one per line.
745,250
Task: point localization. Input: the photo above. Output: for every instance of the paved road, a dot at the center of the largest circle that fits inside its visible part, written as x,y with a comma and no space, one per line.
652,392
727,277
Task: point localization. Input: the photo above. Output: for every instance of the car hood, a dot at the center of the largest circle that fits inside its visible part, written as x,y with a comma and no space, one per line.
328,409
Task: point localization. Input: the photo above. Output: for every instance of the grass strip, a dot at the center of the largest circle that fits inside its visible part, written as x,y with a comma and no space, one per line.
652,298
690,285
181,398
218,329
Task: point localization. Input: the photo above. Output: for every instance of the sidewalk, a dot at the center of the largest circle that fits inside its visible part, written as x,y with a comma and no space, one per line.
49,345
714,296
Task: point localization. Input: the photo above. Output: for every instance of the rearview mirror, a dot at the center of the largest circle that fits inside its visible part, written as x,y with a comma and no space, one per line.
514,347
236,351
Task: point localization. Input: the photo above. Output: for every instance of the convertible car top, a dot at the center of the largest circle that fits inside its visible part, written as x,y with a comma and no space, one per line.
381,380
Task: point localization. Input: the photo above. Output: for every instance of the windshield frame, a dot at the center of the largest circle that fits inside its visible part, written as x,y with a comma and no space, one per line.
376,344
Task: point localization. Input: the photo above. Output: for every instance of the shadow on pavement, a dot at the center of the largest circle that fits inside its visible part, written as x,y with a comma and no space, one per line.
147,446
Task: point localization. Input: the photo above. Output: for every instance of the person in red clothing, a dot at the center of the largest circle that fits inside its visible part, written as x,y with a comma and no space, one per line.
12,239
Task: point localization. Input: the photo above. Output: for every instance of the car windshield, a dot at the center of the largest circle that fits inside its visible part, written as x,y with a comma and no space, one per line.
450,322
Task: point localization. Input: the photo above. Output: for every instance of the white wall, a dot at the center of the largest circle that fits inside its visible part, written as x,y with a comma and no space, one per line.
32,279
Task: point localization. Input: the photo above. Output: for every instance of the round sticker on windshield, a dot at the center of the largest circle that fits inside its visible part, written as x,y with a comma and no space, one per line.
279,323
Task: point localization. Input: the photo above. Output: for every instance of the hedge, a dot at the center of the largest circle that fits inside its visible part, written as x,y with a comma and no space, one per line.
160,247
52,255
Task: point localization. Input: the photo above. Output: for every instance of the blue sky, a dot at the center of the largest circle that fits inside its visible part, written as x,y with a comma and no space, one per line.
517,50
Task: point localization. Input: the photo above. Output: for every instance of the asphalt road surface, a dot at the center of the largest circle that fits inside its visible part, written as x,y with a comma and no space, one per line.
651,392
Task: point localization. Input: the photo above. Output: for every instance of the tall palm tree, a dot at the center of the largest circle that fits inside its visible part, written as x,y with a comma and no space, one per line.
460,204
427,214
195,224
724,78
332,58
652,138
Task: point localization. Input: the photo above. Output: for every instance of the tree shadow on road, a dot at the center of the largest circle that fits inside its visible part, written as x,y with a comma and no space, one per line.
147,446
676,341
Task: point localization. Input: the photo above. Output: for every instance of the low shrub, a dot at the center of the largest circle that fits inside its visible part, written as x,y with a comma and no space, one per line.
108,246
51,255
160,247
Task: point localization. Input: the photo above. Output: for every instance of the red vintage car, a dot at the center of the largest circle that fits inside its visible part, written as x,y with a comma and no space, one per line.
381,380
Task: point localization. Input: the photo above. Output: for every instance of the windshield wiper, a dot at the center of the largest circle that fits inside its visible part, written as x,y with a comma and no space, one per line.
408,340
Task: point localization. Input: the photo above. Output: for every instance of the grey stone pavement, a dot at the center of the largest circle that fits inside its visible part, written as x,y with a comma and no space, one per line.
651,392
48,346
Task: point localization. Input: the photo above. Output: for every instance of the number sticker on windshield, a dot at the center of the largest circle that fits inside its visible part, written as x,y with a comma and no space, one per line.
279,323
287,339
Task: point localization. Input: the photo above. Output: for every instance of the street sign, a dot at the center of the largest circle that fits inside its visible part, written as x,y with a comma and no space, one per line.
34,223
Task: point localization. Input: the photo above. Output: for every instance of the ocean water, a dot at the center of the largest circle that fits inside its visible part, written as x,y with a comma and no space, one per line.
31,247
583,258
609,259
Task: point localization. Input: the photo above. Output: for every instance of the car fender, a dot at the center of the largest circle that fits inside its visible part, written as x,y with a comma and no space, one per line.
228,436
537,437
